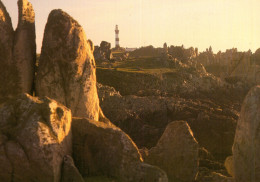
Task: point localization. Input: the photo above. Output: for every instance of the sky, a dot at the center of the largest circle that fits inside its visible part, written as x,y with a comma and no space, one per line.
222,24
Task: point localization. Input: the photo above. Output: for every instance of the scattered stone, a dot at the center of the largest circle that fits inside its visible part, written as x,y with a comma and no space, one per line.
176,152
145,118
66,70
246,145
35,137
103,149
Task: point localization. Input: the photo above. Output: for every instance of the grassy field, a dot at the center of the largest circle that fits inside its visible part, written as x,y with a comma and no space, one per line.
148,65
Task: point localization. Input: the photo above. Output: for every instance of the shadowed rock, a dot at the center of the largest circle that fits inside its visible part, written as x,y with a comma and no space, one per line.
25,46
246,146
8,72
176,152
17,52
103,149
6,35
69,172
34,136
67,68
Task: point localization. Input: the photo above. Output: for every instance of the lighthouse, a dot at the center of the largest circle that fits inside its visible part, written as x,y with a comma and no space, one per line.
117,36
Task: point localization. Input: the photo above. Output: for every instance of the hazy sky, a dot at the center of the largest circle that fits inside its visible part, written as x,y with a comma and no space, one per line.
199,23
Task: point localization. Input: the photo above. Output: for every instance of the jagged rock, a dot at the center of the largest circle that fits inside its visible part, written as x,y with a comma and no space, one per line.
229,165
145,118
103,149
8,73
17,52
69,172
25,46
176,152
35,136
246,145
66,70
6,35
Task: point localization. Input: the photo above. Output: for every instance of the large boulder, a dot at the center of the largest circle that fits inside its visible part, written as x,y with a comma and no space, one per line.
6,35
35,135
176,152
246,145
8,73
17,52
103,149
66,70
25,46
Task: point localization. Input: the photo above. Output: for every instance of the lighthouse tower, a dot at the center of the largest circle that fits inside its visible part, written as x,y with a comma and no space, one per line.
117,36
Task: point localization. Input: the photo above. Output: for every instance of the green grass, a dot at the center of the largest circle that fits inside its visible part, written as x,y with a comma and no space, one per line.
147,65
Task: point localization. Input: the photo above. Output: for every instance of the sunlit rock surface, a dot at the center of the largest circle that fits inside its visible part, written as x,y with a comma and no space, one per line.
66,70
176,152
246,145
35,135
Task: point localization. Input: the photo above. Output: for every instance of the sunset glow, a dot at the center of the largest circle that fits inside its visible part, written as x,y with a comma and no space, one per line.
220,23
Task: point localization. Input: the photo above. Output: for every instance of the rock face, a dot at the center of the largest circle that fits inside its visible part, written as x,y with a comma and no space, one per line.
145,118
103,149
35,134
25,46
246,146
176,152
69,172
66,70
17,52
103,53
6,36
8,79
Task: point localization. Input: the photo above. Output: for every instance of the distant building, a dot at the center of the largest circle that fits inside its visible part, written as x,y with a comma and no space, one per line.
117,37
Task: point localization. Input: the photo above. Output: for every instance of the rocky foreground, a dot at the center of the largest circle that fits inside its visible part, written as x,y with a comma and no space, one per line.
52,125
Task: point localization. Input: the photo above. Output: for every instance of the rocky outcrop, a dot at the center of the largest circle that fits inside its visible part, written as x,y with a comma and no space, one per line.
8,72
103,149
69,172
25,46
35,135
66,70
17,52
6,36
178,79
103,52
176,152
145,118
246,145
